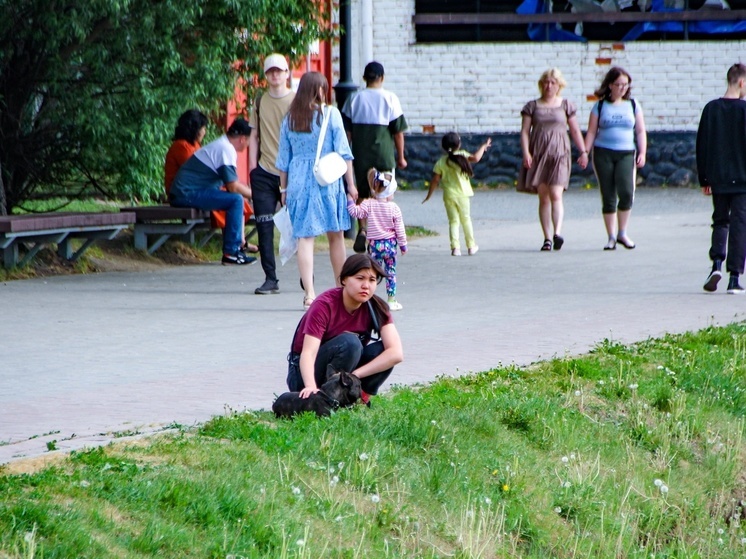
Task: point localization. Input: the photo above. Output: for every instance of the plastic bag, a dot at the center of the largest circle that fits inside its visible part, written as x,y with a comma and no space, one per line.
288,243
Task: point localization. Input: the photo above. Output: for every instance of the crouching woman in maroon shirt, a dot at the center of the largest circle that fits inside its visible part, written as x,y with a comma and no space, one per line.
348,329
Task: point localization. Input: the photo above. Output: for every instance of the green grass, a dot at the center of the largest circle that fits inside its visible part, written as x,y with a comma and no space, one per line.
69,205
627,452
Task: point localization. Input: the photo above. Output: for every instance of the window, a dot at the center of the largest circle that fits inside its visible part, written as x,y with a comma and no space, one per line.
438,21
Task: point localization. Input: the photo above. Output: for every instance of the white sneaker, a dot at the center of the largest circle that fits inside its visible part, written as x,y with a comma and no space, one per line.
456,252
473,250
395,305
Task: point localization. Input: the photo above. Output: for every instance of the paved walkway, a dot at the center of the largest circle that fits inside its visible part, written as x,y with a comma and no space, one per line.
87,358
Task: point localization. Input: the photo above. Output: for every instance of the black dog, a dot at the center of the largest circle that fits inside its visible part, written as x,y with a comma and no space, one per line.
340,391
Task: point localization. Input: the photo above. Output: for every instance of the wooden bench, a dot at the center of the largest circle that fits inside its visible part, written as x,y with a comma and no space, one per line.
164,222
35,231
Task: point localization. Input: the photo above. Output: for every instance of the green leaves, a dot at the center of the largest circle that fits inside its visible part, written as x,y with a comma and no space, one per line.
90,92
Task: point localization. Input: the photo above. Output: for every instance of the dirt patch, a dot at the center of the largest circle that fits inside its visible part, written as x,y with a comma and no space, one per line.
116,255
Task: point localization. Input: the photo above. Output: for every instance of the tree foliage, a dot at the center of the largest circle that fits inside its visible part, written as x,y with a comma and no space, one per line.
90,91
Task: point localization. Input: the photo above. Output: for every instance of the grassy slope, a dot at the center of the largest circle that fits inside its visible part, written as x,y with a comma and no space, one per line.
626,452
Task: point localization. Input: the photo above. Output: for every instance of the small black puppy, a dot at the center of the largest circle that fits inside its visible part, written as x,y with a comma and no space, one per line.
340,391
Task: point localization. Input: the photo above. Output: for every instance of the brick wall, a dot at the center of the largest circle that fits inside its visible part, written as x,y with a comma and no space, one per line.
480,87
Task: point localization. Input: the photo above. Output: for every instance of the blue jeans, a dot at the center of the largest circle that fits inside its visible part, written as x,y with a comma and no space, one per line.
214,199
342,353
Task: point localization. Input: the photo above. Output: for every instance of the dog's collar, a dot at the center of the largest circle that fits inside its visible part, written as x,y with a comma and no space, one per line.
329,400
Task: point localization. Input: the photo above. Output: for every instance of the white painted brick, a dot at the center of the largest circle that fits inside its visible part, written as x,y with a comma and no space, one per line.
481,87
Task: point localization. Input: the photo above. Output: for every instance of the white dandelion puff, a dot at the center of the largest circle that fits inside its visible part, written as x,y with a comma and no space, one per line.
364,456
375,498
296,490
664,489
565,459
558,509
658,482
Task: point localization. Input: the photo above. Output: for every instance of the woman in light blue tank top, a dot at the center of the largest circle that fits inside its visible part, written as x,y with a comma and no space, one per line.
616,132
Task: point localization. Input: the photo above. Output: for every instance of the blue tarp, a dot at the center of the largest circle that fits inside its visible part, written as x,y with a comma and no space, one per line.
538,31
708,27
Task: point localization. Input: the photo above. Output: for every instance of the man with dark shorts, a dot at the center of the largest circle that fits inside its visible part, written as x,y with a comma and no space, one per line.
375,126
721,164
266,118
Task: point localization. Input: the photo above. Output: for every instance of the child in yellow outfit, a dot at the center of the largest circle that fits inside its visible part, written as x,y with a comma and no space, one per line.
453,173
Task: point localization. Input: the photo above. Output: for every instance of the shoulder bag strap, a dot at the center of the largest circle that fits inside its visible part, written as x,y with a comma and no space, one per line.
374,319
322,133
258,104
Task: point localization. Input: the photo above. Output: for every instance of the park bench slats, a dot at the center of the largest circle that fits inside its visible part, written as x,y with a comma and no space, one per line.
35,231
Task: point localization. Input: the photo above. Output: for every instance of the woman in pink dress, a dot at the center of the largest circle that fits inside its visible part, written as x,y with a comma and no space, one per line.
546,153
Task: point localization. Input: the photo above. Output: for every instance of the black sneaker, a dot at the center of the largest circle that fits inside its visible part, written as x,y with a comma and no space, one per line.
359,244
712,281
733,287
239,259
269,287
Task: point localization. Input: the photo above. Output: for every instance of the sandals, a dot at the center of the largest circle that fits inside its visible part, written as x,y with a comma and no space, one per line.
547,245
558,242
307,301
626,242
611,245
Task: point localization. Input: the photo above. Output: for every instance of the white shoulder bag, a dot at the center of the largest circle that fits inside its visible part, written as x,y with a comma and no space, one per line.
332,166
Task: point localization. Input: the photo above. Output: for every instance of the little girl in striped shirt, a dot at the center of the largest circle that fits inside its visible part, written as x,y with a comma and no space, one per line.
385,227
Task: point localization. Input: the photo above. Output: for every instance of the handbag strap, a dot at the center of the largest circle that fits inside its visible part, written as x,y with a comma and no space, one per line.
322,133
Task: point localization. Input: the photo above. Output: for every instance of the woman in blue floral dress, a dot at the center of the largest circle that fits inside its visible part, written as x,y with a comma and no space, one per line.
314,209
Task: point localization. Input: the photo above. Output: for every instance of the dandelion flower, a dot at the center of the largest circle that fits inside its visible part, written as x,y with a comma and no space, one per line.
601,383
566,484
375,498
300,543
506,487
720,541
487,501
743,541
338,519
565,459
658,482
334,481
558,509
721,531
578,392
364,456
633,386
664,489
433,422
296,490
660,367
572,456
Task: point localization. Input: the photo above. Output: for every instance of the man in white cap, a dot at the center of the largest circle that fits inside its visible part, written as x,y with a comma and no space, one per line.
266,117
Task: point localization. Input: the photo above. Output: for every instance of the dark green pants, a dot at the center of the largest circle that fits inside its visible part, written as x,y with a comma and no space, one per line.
615,171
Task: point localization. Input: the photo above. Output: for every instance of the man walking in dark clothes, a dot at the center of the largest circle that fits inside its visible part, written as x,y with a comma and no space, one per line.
721,164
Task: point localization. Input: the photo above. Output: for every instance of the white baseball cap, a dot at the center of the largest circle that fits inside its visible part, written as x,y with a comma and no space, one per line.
275,61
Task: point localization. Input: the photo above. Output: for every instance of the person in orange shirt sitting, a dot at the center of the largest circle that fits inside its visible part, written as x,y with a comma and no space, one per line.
188,135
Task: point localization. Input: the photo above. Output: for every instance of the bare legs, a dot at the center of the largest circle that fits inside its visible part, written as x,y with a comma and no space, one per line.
305,266
551,209
616,228
337,255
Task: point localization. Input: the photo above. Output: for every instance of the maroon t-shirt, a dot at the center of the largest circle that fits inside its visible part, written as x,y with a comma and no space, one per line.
328,318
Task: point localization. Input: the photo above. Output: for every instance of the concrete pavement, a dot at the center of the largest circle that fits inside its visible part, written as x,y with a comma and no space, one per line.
84,359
